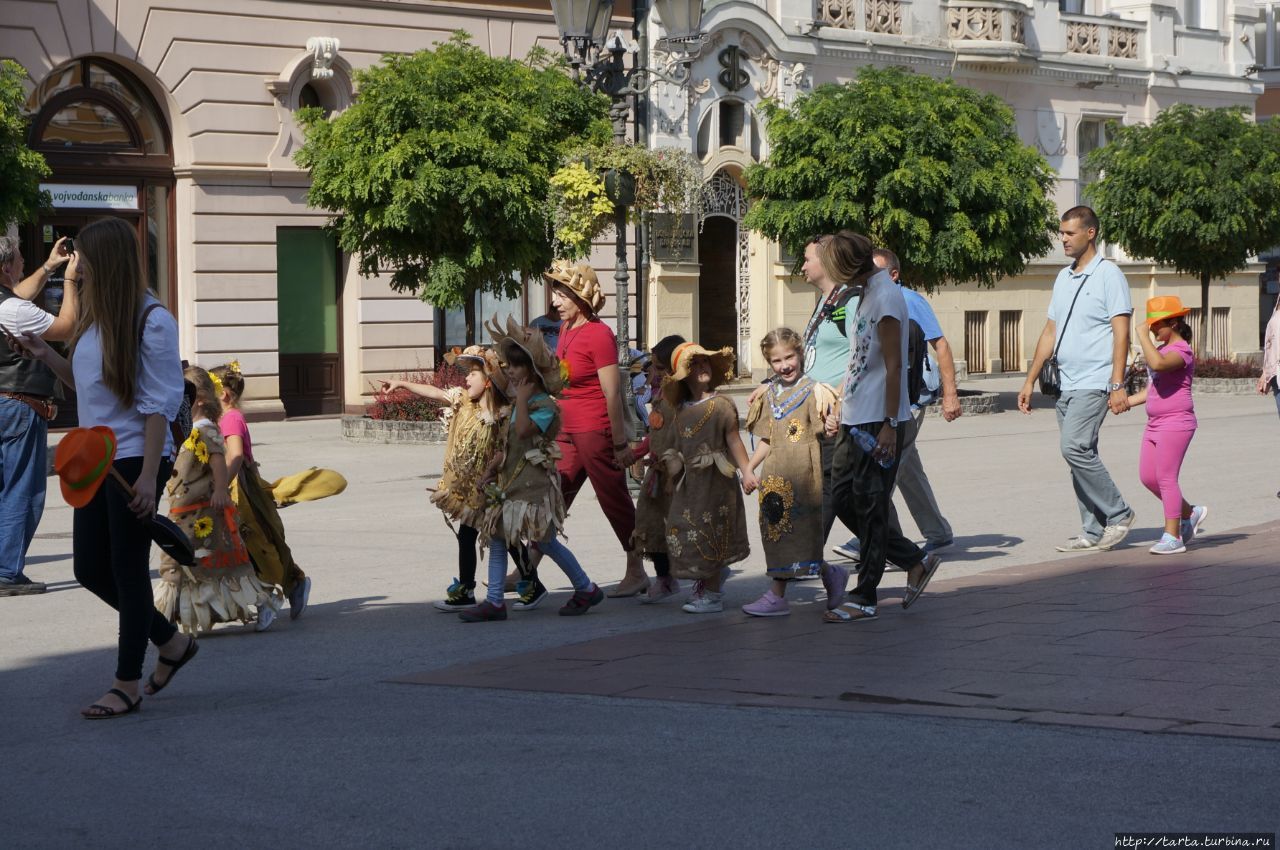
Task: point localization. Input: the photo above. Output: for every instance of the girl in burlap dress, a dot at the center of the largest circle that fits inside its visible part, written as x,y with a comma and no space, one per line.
222,587
473,415
788,419
654,501
524,503
706,523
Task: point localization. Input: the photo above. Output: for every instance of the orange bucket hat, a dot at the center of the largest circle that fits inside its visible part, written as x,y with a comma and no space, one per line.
1165,307
82,460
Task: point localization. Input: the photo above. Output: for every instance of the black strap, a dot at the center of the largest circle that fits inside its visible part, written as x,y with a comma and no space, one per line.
1063,332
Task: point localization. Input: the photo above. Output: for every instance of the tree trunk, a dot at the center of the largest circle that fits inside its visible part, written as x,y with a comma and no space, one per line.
469,316
1202,332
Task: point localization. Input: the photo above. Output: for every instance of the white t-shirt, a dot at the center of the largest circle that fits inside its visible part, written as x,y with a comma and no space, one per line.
20,316
864,382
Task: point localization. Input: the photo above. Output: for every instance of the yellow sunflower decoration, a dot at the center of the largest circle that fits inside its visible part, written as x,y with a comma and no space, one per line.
203,527
192,439
201,451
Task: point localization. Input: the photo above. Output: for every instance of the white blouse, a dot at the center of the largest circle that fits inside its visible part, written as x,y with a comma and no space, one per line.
158,387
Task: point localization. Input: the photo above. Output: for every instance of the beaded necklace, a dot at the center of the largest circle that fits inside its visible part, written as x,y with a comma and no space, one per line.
799,392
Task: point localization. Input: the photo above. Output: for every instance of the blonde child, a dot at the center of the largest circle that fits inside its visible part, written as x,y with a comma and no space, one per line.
473,413
222,586
788,419
261,527
706,523
1171,418
650,537
521,484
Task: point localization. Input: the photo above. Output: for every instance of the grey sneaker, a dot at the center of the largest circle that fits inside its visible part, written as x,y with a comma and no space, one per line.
1190,528
1168,545
1113,535
21,586
850,549
1078,544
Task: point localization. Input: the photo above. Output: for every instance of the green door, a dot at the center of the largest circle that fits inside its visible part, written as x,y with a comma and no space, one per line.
307,288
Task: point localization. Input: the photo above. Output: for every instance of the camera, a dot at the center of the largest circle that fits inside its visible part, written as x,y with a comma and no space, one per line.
69,247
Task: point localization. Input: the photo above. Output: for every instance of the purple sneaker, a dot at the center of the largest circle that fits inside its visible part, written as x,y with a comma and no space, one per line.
768,605
834,579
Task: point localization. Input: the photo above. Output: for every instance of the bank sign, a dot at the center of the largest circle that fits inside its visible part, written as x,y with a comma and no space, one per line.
74,196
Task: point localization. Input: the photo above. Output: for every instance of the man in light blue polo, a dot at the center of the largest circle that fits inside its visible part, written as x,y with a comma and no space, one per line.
1088,328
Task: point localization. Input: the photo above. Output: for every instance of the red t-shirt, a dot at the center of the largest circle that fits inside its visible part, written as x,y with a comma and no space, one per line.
232,424
587,349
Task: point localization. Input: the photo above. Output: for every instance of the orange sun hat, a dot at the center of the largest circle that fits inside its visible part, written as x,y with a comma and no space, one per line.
1165,307
82,460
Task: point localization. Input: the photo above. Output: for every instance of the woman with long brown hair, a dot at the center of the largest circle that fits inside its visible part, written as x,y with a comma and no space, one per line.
127,374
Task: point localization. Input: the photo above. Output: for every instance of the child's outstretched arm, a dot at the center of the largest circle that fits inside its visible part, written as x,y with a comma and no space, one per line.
1139,397
738,454
758,456
220,499
424,390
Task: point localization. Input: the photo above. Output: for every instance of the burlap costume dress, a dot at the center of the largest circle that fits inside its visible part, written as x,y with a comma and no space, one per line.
654,502
706,523
524,504
473,438
788,418
222,587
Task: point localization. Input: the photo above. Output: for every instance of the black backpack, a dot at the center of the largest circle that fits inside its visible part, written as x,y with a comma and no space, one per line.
917,360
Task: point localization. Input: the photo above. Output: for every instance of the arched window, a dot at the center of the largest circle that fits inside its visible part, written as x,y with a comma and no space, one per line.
93,105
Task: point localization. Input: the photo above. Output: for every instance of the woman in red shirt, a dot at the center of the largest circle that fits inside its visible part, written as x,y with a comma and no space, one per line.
593,441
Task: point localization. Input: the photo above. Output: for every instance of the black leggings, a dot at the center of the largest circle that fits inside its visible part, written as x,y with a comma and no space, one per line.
467,537
112,554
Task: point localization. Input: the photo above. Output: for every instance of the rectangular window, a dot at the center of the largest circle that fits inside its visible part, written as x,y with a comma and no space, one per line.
975,340
1090,135
1011,340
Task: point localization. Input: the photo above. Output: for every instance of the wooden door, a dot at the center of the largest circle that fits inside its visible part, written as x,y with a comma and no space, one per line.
718,283
308,320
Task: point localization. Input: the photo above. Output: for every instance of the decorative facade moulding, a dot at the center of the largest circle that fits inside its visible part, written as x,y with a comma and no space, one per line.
323,51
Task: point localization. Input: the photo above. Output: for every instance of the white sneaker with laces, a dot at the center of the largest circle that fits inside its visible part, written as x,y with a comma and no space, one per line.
1077,544
707,602
1114,535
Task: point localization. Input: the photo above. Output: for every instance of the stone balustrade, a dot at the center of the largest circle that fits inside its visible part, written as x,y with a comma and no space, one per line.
880,16
1113,38
986,21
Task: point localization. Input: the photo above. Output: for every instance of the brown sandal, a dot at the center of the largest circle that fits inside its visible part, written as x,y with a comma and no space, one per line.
98,711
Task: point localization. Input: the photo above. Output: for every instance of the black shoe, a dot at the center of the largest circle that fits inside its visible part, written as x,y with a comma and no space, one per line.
531,595
21,586
458,597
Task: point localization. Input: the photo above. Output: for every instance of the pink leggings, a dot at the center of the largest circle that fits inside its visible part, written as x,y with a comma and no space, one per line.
1159,464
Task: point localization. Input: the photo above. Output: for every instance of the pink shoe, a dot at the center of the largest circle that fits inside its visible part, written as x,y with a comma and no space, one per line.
768,605
663,588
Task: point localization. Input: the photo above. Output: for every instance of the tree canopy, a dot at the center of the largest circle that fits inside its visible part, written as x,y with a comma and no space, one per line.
1197,189
927,168
21,168
439,169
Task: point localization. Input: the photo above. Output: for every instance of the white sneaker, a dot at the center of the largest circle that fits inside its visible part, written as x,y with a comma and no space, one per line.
850,549
707,602
266,616
1113,535
1168,545
1190,528
1078,544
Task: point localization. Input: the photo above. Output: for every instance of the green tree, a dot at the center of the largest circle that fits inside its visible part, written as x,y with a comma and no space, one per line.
1197,189
930,169
21,168
440,168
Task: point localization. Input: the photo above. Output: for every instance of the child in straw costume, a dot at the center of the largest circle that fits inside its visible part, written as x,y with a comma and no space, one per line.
706,523
222,587
522,485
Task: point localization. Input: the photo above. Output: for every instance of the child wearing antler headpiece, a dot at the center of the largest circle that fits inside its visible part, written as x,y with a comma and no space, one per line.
522,486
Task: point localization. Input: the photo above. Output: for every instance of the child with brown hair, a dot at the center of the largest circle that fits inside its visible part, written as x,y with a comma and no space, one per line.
788,418
222,586
654,501
261,527
706,523
521,485
473,415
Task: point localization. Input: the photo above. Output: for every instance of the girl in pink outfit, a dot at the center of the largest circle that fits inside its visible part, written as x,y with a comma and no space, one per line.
1171,418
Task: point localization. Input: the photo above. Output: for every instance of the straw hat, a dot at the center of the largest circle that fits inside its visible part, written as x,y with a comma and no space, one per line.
682,358
578,278
486,357
82,460
1165,307
532,343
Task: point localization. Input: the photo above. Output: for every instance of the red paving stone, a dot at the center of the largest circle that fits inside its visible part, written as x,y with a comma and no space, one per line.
1116,640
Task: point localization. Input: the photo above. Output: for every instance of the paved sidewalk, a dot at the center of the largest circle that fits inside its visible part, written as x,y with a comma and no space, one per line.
1117,640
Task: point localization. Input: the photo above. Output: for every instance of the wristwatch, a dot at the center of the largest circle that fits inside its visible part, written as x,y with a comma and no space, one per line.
1113,387
891,422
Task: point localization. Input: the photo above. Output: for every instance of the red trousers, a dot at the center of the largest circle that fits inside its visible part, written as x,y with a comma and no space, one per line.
590,455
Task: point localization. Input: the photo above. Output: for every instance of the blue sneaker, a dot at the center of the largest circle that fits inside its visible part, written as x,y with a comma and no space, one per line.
1168,545
1190,528
850,549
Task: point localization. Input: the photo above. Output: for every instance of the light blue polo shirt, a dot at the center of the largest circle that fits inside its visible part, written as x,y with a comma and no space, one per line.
1086,342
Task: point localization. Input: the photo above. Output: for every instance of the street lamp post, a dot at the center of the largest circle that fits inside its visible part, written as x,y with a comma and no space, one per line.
597,61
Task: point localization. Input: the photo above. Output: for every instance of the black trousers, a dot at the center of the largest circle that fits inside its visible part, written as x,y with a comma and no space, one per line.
830,508
863,490
111,557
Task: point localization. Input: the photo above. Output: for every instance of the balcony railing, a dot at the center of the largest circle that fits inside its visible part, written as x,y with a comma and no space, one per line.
1096,36
979,22
882,16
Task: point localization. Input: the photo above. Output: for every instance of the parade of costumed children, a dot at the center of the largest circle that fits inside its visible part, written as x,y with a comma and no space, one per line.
788,420
706,521
522,486
222,587
473,416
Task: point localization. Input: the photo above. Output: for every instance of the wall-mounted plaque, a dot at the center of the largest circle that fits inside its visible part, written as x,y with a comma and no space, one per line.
674,238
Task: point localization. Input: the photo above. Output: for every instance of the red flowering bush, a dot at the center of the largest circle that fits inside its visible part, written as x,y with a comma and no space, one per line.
400,405
1220,367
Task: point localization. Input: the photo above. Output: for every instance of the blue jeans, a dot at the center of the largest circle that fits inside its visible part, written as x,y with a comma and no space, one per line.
1080,417
24,460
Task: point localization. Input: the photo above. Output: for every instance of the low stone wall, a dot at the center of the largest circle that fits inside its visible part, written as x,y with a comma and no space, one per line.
1234,386
972,403
362,429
